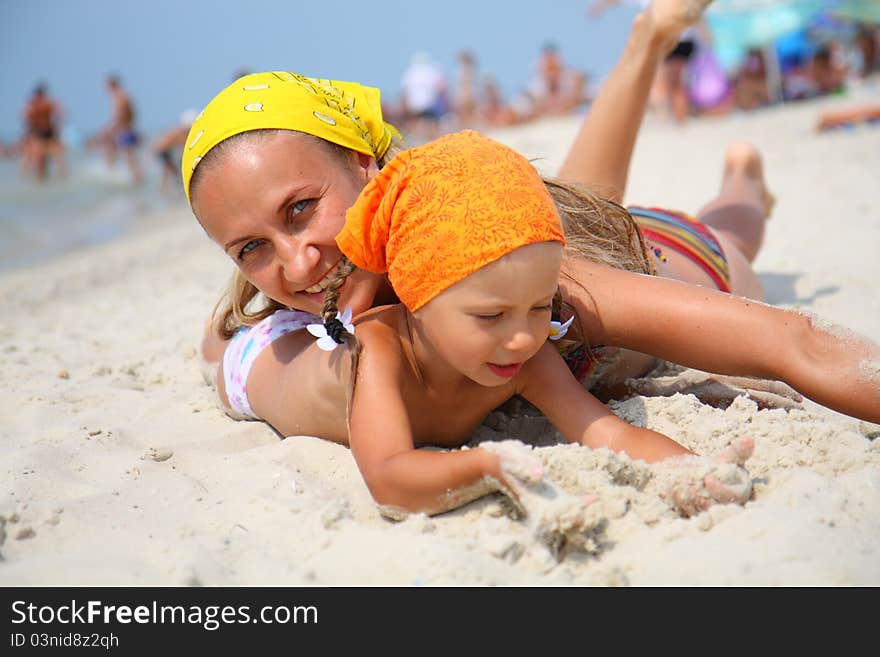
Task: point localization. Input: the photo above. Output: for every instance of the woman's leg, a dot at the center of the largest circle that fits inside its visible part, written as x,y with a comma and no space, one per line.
601,153
738,215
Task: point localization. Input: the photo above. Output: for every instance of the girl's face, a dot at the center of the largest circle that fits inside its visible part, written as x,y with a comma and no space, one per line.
275,204
487,325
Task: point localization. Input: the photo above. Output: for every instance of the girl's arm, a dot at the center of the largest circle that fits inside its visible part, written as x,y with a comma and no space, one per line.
581,418
600,155
692,483
716,332
401,478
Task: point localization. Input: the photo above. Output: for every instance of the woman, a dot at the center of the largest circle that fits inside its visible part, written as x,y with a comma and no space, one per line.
276,199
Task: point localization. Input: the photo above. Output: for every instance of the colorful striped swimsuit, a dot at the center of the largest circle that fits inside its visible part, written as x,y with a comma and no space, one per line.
671,229
688,236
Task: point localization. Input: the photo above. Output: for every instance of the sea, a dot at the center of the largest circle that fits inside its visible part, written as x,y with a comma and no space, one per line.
93,204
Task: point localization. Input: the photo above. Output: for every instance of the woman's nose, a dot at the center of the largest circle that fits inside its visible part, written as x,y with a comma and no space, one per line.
298,261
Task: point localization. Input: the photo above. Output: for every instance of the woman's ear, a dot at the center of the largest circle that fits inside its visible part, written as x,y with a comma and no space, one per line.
367,164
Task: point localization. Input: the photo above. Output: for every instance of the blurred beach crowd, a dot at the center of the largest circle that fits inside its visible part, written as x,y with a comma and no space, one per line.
822,56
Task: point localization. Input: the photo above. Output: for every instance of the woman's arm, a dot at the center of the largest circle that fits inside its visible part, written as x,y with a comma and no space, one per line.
212,346
716,332
581,418
600,155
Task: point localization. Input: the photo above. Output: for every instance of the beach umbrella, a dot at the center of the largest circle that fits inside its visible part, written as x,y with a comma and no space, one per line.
740,25
862,11
828,27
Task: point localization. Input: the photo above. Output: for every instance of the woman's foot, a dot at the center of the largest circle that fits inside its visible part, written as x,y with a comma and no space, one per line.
668,18
741,209
743,166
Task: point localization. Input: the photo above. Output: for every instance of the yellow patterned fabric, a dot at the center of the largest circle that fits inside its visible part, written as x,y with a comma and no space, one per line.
437,213
344,113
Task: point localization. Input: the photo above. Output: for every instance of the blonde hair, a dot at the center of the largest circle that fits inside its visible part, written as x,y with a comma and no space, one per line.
596,229
337,330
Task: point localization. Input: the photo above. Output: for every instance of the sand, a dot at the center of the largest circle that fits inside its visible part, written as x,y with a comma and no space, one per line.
118,468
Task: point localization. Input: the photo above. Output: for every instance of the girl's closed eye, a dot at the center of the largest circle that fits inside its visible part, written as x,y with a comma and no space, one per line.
487,317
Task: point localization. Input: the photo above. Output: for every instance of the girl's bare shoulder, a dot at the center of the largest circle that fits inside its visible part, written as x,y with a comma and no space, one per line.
384,325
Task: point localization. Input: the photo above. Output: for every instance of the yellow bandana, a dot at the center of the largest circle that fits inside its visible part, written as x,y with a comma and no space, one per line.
344,113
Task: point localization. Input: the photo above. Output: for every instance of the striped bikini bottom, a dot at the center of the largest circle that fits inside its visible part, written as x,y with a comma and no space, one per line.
688,236
674,230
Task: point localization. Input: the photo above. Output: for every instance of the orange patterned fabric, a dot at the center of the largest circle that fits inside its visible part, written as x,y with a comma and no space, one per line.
437,213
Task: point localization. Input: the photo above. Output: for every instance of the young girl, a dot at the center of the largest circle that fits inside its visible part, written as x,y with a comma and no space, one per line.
472,244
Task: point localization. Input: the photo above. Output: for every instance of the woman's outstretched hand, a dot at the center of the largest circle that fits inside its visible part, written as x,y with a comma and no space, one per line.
692,484
718,390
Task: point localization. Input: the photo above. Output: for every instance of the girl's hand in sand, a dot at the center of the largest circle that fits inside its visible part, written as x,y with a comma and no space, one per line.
692,484
556,519
518,468
718,390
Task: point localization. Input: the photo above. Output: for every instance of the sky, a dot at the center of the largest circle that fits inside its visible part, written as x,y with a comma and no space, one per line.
172,55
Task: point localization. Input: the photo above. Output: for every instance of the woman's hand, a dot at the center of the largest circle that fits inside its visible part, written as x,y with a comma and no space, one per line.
692,484
718,390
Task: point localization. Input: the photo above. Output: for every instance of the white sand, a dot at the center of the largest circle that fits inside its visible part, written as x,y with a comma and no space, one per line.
119,470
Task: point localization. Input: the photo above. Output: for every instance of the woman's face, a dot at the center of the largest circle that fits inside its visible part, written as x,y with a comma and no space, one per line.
275,204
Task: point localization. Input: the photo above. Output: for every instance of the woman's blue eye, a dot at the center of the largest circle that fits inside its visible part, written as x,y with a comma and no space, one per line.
300,206
247,248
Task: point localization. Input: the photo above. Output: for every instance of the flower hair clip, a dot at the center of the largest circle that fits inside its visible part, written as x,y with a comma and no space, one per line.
559,329
330,333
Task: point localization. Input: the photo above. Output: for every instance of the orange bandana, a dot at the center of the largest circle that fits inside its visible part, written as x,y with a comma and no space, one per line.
437,213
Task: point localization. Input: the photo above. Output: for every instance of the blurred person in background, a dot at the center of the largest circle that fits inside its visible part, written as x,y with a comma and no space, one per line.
167,147
120,133
828,69
42,139
867,43
465,96
425,96
750,85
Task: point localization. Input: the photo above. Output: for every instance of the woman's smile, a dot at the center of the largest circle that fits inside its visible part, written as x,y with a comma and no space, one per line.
323,283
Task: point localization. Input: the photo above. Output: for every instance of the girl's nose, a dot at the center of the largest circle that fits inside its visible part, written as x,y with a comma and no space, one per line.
521,340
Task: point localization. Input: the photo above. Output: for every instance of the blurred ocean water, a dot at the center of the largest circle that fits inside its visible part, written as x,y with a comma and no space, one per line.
93,204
